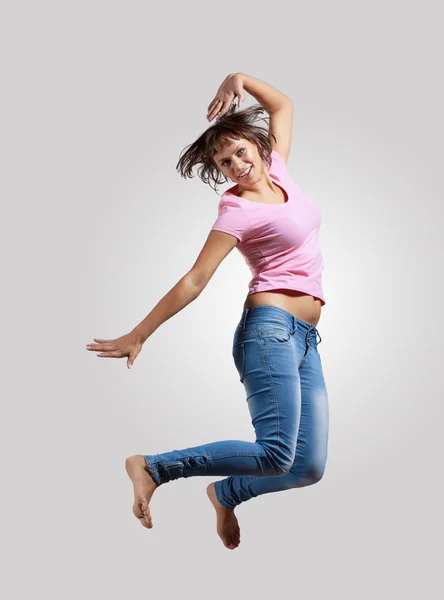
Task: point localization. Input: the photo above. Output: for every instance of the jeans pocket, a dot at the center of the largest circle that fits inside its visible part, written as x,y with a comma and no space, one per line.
239,359
272,335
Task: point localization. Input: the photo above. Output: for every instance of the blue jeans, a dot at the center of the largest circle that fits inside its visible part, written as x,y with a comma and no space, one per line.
279,365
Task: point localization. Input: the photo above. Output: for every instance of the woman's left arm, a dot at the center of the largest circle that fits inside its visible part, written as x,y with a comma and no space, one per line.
267,96
279,107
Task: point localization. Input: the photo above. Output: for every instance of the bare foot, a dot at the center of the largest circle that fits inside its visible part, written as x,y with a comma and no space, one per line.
227,525
144,488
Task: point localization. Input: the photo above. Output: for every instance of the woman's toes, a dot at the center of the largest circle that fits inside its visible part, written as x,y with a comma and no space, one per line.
146,513
146,524
141,511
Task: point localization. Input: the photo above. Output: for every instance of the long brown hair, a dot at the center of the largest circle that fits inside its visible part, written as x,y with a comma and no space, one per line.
235,124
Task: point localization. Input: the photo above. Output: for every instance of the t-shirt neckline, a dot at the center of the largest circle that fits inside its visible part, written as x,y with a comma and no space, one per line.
264,203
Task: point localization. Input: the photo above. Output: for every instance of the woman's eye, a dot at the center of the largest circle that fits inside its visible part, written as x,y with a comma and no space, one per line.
240,150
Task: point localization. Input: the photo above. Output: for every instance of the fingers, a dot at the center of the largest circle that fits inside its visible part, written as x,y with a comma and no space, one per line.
225,106
127,345
213,103
106,350
110,352
213,109
240,98
102,346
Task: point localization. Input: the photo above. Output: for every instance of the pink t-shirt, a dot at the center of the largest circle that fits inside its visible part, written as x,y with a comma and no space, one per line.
279,242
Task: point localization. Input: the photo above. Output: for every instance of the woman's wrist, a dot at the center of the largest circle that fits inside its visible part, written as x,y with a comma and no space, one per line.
266,95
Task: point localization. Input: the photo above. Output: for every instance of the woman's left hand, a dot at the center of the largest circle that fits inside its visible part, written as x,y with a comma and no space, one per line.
231,86
128,345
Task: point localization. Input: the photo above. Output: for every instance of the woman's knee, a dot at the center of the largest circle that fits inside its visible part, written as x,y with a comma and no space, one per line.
315,474
275,465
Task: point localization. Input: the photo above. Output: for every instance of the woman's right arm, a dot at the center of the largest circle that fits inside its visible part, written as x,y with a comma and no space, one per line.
187,289
184,292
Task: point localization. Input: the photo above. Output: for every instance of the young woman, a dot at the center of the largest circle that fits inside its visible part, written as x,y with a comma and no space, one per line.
275,227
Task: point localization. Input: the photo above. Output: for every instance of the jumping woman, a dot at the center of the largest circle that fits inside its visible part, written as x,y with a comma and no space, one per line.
275,347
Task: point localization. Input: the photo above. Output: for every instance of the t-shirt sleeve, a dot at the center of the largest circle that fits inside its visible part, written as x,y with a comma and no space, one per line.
278,165
233,220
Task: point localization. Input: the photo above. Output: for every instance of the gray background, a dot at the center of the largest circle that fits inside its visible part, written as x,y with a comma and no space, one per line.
98,100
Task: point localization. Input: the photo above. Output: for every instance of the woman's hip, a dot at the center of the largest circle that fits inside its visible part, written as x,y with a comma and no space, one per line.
272,337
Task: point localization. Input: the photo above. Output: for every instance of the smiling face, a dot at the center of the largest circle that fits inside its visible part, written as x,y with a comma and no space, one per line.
237,158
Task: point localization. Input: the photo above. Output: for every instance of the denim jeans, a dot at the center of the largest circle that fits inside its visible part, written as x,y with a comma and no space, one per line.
278,363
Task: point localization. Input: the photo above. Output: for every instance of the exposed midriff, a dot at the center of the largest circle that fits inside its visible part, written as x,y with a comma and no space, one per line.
302,306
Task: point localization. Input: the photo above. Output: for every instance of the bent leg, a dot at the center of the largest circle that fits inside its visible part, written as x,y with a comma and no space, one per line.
312,442
271,380
215,458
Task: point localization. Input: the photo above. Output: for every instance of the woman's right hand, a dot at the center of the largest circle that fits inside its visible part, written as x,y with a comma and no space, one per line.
230,87
128,345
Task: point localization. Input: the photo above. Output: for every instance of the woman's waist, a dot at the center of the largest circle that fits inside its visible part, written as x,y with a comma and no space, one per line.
261,320
303,306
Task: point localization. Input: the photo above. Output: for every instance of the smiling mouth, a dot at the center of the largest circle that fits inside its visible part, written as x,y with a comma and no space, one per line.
246,174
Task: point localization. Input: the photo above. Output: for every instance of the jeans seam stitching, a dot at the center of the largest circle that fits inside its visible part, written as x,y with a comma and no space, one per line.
274,393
